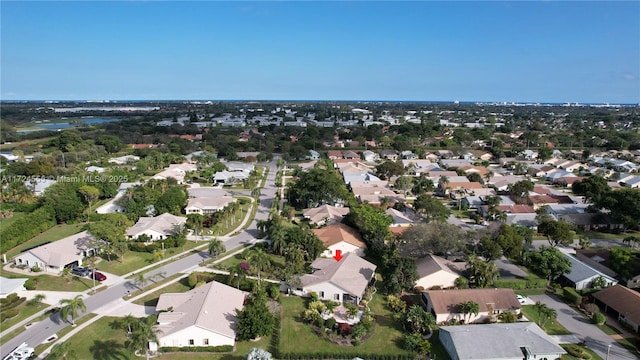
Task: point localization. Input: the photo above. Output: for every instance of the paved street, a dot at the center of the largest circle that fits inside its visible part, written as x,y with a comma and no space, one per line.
584,330
39,332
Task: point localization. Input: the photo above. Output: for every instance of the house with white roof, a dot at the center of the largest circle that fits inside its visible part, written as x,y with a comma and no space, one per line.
325,214
208,205
39,185
514,341
370,156
344,281
93,168
122,160
54,256
203,316
156,228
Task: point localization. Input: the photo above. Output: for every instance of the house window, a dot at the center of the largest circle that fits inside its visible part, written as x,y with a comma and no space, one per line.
192,342
205,342
336,297
322,294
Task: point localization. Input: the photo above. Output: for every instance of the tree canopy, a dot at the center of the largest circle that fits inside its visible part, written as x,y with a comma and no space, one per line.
433,238
317,187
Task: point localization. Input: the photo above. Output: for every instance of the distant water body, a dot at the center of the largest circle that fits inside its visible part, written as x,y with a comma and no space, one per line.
66,125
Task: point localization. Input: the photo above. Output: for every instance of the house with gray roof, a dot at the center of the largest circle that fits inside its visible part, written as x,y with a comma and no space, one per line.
156,228
434,271
582,275
514,341
204,316
343,281
54,256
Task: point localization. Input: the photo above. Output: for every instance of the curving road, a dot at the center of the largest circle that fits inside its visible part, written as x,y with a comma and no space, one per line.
41,331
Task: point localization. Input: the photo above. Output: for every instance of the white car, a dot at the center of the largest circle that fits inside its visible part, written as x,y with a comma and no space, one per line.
521,299
22,352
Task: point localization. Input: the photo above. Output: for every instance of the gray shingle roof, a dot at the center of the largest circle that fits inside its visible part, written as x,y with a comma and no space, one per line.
581,271
351,274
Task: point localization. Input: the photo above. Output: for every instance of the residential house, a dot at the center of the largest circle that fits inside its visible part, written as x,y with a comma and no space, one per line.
122,160
113,206
370,156
400,218
334,154
623,303
93,168
372,193
514,341
501,183
391,155
156,228
350,155
582,275
444,304
313,155
54,256
434,271
176,171
203,316
39,185
344,281
408,155
208,205
339,236
325,214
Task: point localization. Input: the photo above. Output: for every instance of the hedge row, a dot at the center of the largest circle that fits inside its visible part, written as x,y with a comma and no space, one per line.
571,295
521,284
329,355
27,227
213,349
11,301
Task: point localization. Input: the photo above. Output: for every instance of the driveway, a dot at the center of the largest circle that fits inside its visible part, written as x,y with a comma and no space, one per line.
508,270
594,338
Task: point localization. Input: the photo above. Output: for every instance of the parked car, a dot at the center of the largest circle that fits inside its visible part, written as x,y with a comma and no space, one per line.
81,271
521,299
22,352
98,276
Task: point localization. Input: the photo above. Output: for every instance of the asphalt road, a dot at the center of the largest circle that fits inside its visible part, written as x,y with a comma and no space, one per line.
594,338
41,331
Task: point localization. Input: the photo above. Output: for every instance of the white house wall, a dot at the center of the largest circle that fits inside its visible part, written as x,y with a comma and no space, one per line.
441,278
345,247
327,290
154,235
181,338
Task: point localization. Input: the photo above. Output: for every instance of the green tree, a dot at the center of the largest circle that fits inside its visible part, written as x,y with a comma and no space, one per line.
481,273
545,313
431,208
111,143
372,223
216,247
592,188
549,262
143,333
422,185
520,190
468,308
433,238
64,199
254,321
388,169
418,320
544,153
624,205
70,307
259,259
317,187
557,232
507,317
398,273
195,221
489,249
403,183
620,261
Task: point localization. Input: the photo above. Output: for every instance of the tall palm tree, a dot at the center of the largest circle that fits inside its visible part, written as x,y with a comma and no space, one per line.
545,313
216,247
236,271
259,259
143,333
71,307
468,308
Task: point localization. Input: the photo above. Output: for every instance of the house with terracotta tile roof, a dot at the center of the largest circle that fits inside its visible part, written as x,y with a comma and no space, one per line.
339,236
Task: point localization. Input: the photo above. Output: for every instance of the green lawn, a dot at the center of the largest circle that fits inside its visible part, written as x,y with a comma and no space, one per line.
552,327
55,233
134,260
594,356
297,337
278,262
26,310
100,341
152,298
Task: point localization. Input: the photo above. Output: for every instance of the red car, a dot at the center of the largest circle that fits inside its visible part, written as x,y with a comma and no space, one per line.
98,276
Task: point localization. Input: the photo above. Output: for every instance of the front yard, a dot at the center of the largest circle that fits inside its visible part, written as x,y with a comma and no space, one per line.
551,327
297,337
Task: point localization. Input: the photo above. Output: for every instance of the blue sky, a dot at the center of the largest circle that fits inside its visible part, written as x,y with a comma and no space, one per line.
543,51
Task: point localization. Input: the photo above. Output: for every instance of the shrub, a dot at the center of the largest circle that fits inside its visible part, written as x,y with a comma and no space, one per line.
345,329
598,318
330,323
571,296
27,227
31,284
36,269
219,349
10,313
274,292
578,352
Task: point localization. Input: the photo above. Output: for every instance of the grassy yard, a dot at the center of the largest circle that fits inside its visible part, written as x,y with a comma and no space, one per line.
134,260
26,310
152,299
101,341
552,327
297,337
594,356
55,233
277,262
610,236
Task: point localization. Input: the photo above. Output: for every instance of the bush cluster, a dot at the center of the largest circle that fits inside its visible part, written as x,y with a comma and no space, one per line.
578,352
571,295
27,227
31,284
12,300
196,277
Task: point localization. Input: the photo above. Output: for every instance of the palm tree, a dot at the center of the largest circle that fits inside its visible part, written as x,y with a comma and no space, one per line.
631,241
121,248
143,334
236,271
128,322
259,259
488,176
66,274
467,308
419,320
508,317
442,184
62,351
71,307
36,299
545,313
158,254
216,247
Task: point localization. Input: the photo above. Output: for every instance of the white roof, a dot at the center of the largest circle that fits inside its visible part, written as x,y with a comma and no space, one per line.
64,251
164,224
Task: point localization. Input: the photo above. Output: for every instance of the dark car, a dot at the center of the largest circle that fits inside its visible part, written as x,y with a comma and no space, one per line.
81,271
99,276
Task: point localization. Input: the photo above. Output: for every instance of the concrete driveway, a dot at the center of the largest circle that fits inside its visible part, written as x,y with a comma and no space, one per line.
584,330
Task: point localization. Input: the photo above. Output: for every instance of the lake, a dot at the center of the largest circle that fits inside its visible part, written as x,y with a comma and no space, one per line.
66,125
